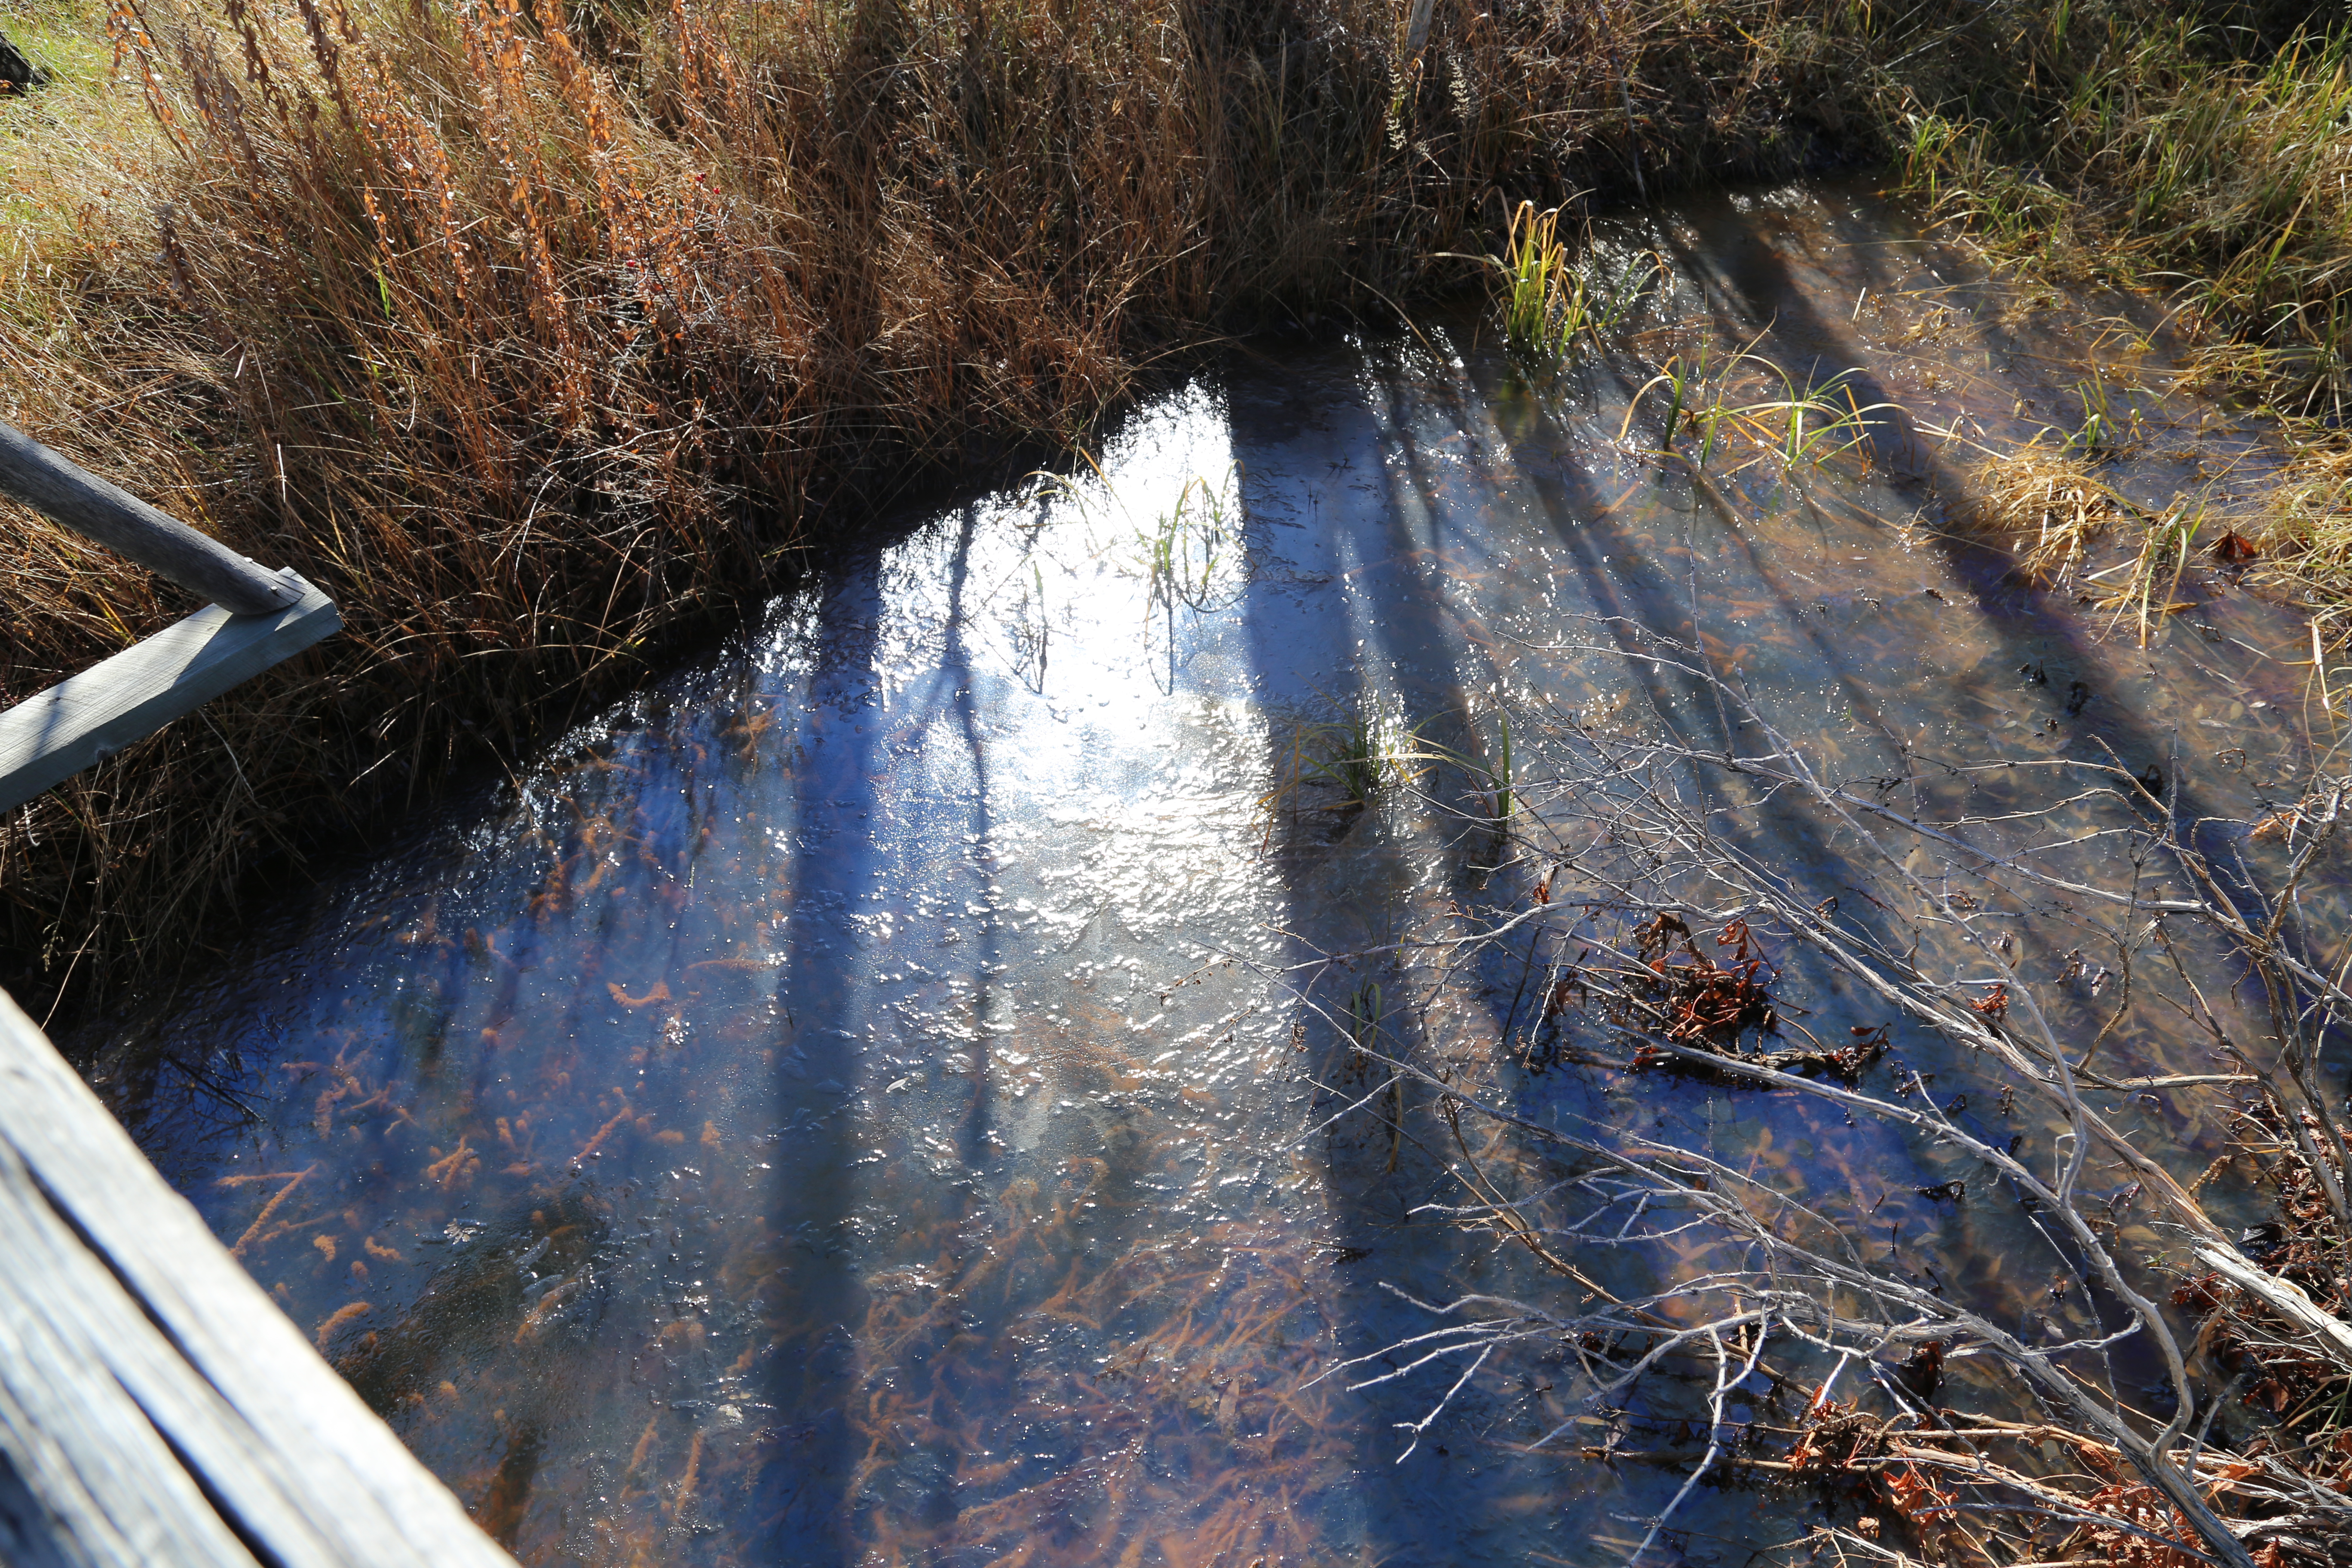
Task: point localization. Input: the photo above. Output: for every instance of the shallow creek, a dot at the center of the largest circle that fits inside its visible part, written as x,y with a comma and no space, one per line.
849,1103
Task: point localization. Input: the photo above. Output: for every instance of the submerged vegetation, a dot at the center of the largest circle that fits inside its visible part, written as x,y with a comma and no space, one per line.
541,338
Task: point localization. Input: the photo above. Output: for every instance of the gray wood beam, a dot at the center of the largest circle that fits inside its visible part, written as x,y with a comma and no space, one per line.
89,717
112,516
156,1405
128,525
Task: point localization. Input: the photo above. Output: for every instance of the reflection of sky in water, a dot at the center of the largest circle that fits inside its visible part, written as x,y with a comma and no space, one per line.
834,1106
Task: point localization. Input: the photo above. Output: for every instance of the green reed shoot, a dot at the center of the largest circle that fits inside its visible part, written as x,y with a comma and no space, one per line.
1502,780
1802,426
1187,550
1679,380
1549,307
1364,1015
2168,544
1930,154
1816,423
1543,303
2096,433
2163,553
1494,785
1356,757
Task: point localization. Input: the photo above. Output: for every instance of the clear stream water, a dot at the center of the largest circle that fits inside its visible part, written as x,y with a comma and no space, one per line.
849,1103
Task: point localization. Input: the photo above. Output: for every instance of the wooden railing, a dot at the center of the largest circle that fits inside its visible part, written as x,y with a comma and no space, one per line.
255,618
155,1407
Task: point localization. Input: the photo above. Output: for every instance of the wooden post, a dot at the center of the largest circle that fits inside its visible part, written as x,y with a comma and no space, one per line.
125,524
156,1407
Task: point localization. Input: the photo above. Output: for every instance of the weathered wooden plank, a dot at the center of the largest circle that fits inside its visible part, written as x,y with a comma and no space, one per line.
287,1453
83,719
73,496
99,1486
29,1535
106,1344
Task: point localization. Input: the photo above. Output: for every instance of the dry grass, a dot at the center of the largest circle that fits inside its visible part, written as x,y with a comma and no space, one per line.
541,340
2311,522
2168,158
2176,154
2042,504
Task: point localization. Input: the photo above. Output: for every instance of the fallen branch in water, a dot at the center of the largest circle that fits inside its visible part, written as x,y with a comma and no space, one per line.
1650,845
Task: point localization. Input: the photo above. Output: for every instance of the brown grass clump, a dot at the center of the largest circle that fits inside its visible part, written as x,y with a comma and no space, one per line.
541,337
2310,536
2278,1366
2045,505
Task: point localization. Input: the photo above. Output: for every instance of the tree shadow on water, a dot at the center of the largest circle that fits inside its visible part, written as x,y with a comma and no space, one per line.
1379,587
933,1365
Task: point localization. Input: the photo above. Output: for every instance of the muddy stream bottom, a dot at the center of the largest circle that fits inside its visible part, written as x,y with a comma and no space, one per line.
883,1095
